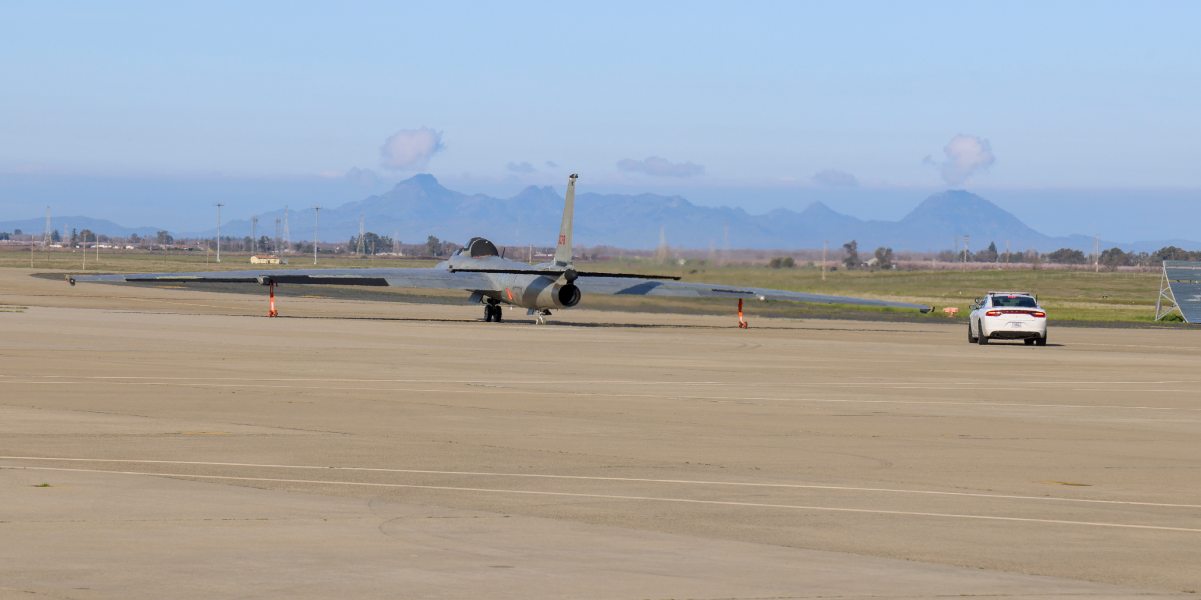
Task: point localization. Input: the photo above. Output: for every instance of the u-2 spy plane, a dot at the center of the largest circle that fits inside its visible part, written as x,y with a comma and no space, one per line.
492,280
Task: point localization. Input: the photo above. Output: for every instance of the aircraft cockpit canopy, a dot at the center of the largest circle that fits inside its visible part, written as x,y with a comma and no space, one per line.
478,247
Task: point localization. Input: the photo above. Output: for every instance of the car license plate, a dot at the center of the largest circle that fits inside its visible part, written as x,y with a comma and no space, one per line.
1018,325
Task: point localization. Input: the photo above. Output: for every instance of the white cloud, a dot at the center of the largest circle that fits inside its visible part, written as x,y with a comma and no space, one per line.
660,167
966,155
835,178
410,148
520,167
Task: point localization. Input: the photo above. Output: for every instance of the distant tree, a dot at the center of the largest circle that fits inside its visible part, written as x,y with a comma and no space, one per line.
163,238
884,258
851,249
1173,253
987,255
433,245
74,236
1067,256
372,243
135,239
782,262
55,237
86,236
4,235
18,232
1114,257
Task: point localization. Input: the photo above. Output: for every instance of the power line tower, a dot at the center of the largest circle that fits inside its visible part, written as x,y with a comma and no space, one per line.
219,205
361,249
48,234
316,214
661,253
254,232
287,231
275,243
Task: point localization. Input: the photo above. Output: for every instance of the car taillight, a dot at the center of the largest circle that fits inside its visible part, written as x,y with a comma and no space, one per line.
1039,314
993,313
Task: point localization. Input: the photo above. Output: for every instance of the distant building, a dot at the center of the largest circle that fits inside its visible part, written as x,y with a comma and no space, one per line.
264,260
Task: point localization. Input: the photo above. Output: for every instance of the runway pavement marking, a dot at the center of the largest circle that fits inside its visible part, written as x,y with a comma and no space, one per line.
634,498
600,478
557,393
604,381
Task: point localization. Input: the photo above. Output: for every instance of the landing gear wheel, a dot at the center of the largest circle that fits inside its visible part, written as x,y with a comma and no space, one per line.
981,338
487,313
971,339
497,313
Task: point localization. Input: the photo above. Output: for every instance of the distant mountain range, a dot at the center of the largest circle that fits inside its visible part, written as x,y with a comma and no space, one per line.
101,226
420,206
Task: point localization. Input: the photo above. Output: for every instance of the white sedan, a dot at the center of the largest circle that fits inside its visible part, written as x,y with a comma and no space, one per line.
1007,316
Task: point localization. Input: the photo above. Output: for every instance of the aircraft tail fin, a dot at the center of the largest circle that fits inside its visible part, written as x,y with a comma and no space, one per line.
563,246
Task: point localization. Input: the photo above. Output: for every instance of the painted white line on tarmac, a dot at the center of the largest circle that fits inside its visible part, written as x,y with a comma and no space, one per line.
949,384
635,498
804,486
495,388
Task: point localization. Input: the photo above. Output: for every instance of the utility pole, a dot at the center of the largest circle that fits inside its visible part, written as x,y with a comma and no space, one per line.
316,213
967,241
1096,254
275,243
219,205
825,248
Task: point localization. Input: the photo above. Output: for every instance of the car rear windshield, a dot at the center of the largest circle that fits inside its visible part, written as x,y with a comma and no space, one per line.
1014,301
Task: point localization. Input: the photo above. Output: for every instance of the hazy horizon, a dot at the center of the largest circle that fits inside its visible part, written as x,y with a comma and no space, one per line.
148,113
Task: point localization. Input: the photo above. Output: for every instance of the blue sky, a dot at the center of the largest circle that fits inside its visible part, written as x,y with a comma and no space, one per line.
740,104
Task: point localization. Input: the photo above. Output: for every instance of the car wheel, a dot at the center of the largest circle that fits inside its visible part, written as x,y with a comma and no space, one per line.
971,339
981,338
1029,341
1042,341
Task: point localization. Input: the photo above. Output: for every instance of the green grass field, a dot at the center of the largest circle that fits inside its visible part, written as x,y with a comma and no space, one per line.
1069,296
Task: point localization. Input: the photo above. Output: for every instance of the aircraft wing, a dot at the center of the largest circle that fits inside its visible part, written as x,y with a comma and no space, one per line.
677,289
411,278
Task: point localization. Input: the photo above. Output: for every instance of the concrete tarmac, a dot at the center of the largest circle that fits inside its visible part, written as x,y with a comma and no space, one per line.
174,443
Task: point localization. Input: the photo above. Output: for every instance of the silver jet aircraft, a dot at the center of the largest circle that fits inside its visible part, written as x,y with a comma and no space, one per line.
492,280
